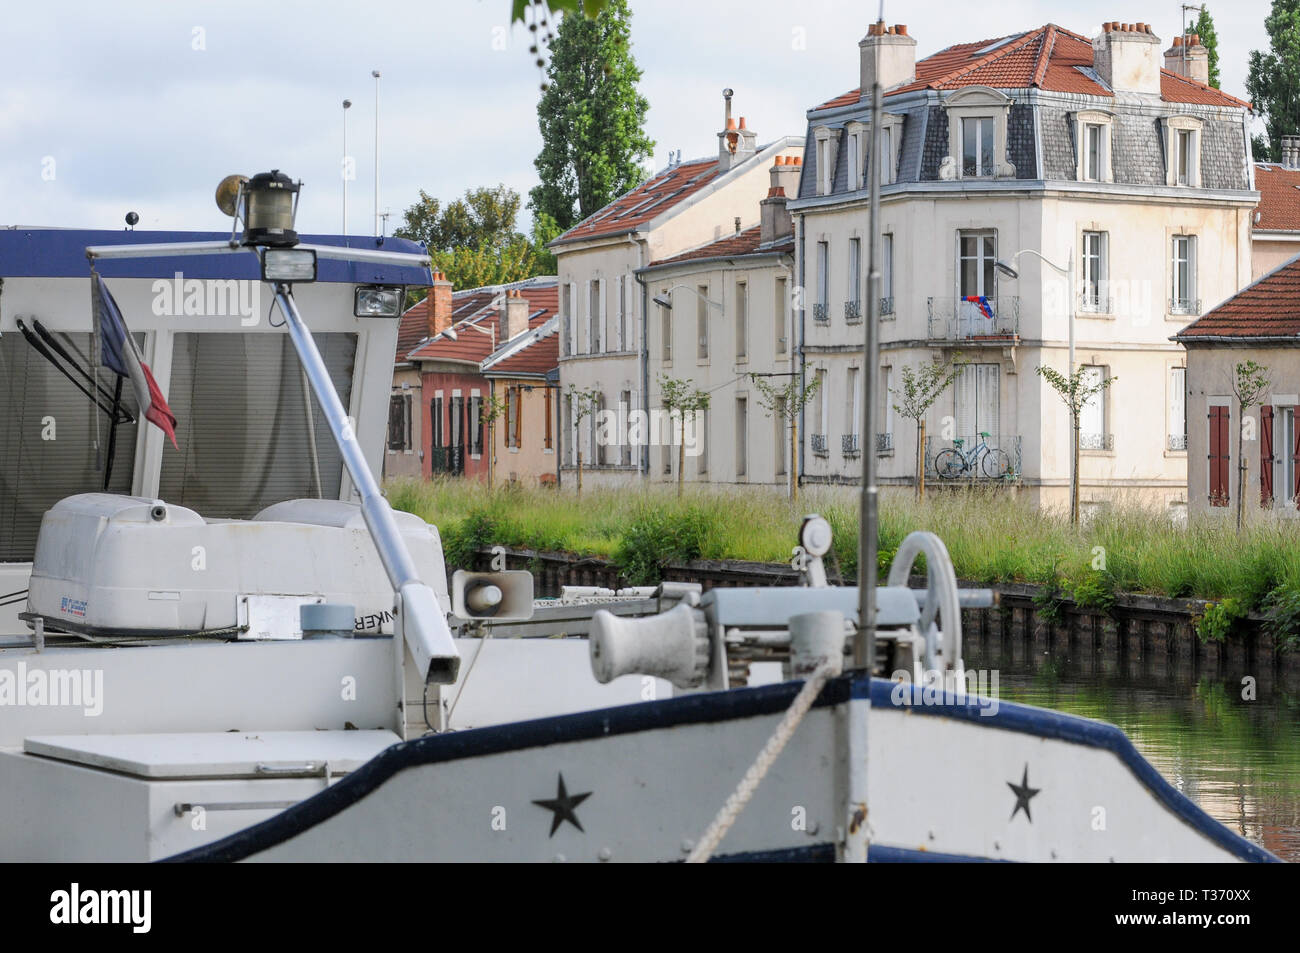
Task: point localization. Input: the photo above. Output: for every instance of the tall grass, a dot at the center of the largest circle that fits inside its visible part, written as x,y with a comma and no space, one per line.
993,537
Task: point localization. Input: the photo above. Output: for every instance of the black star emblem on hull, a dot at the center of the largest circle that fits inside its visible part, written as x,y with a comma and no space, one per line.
562,806
1023,793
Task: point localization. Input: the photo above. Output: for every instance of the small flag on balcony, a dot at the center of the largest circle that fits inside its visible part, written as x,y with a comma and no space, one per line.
983,302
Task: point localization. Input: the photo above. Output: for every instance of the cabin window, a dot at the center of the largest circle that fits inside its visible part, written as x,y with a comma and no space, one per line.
243,424
47,432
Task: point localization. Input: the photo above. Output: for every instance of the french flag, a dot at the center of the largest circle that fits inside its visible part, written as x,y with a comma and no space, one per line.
982,300
121,355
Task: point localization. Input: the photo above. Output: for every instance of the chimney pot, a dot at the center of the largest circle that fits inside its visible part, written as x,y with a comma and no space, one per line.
1178,41
901,29
742,123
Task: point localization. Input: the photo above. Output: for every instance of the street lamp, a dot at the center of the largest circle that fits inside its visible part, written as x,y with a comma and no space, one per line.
664,298
1068,272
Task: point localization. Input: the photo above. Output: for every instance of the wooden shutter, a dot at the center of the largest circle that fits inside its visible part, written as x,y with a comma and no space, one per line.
1295,456
519,413
1218,457
546,399
1266,456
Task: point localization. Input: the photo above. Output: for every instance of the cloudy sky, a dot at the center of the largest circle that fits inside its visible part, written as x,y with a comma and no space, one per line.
145,104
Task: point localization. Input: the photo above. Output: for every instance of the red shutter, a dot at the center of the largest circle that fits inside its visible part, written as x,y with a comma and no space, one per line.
1266,456
1218,458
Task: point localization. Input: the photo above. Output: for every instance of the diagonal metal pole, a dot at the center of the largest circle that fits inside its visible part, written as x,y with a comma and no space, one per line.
421,622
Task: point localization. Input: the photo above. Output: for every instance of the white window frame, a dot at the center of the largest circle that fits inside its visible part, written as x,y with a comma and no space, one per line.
887,275
1193,127
1175,405
979,102
1184,303
855,270
1098,262
827,140
1103,122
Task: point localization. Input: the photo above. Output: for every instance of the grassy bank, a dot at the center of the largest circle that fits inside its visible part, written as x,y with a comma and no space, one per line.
992,538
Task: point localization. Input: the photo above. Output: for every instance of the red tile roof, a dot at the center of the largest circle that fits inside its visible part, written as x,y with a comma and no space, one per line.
741,243
1268,308
535,358
1048,58
670,187
1279,197
412,328
474,309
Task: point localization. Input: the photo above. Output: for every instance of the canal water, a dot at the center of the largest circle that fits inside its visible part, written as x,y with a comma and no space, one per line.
1229,740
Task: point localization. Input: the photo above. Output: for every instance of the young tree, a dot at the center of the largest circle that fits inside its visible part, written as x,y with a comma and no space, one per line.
490,411
1248,385
921,388
786,402
1075,392
684,402
584,403
591,118
1274,77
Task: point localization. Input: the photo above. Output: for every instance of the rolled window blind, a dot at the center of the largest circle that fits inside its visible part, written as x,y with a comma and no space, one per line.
242,422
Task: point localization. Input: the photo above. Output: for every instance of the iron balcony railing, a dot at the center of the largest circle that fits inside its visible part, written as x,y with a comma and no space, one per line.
849,444
887,305
852,312
1095,303
884,442
1184,305
818,441
821,314
992,459
963,319
1177,441
1096,441
447,460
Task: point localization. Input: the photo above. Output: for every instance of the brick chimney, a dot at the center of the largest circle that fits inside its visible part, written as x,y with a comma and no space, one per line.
438,304
1187,57
514,316
897,57
736,142
775,221
1127,57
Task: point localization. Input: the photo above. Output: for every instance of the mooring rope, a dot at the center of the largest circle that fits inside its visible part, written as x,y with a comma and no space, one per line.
766,758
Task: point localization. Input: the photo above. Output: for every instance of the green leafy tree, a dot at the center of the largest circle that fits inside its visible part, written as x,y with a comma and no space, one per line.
544,230
786,401
1075,392
1204,28
473,239
591,118
1273,81
1249,382
491,410
921,388
683,402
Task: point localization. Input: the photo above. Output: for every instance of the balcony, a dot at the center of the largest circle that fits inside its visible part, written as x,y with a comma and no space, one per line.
1177,441
1096,441
887,306
849,445
449,460
982,321
995,459
1184,305
821,314
1092,302
818,442
884,442
852,312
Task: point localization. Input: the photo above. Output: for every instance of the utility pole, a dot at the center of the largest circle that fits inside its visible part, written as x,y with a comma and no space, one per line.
347,104
375,74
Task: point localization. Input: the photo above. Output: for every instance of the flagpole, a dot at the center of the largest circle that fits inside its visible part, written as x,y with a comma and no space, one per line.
112,433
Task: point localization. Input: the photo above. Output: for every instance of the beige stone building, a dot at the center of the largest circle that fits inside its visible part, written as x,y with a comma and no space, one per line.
1119,166
523,377
1261,323
604,309
719,313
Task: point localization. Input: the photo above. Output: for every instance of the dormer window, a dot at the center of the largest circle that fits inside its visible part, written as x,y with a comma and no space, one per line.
977,133
859,148
1183,151
827,143
1092,134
